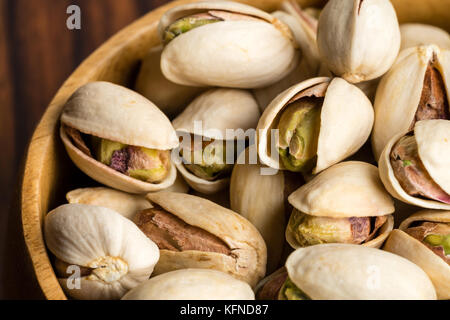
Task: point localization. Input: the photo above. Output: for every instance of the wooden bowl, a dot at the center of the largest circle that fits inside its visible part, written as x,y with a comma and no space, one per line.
49,173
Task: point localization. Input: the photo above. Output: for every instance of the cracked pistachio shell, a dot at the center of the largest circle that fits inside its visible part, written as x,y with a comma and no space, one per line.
304,29
358,39
433,143
170,97
402,244
416,34
100,238
399,92
348,189
216,110
238,54
343,103
192,284
113,112
260,199
352,272
249,253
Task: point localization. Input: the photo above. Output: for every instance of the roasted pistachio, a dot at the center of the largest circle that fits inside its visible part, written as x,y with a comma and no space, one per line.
119,138
416,34
269,287
305,116
358,39
254,49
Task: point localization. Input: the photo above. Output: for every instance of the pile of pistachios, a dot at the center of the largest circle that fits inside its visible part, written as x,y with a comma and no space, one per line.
240,165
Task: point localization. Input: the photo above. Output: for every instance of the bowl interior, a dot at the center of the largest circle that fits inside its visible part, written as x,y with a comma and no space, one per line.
49,174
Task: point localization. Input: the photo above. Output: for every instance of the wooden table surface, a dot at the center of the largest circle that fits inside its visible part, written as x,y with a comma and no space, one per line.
37,53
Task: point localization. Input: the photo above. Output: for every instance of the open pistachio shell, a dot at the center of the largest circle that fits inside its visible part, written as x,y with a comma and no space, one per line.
343,103
192,284
358,39
433,143
170,97
247,53
304,29
417,34
400,91
116,253
348,189
210,115
248,257
124,203
260,198
402,244
112,112
352,272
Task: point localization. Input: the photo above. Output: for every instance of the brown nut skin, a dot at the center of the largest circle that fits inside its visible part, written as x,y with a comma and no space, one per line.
248,254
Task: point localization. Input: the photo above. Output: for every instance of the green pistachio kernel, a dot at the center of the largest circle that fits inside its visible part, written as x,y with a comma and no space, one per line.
104,149
437,240
298,135
184,25
407,163
289,291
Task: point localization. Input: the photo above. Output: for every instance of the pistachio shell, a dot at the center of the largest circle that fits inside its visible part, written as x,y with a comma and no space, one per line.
110,177
210,115
124,203
352,272
260,199
347,189
399,92
192,284
402,244
201,57
170,97
92,236
249,254
416,34
359,39
344,103
432,138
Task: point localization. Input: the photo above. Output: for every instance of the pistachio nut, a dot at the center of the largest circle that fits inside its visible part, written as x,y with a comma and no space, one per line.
192,232
170,97
208,121
304,29
269,287
110,253
305,116
352,272
416,88
225,44
260,199
344,204
423,238
119,138
417,34
358,39
414,166
192,284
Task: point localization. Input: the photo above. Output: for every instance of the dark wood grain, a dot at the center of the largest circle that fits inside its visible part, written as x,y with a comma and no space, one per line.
37,53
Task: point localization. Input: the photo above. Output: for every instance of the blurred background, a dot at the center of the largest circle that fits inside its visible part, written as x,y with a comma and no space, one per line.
37,53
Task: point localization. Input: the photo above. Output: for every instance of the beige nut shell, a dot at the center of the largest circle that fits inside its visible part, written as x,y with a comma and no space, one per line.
209,116
402,244
352,272
116,113
433,142
196,58
260,199
81,234
192,284
358,39
417,34
399,92
249,253
344,104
